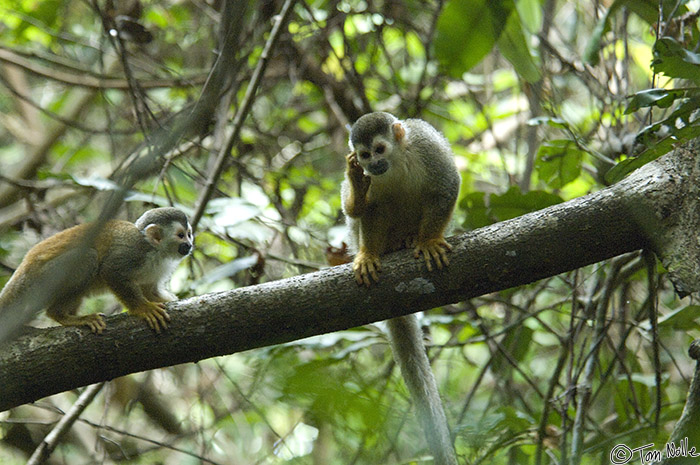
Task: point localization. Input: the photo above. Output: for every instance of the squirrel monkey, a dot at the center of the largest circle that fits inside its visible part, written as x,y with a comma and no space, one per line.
401,185
132,260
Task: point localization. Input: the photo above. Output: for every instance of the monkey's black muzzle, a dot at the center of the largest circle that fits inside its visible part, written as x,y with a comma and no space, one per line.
184,249
378,167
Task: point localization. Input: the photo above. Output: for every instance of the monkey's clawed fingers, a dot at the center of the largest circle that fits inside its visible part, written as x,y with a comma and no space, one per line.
351,158
365,266
155,315
96,323
435,249
356,172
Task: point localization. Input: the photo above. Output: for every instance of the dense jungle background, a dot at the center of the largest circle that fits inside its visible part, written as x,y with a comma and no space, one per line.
542,101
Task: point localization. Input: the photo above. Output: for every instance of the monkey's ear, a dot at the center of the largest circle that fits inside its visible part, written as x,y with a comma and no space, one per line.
399,131
154,234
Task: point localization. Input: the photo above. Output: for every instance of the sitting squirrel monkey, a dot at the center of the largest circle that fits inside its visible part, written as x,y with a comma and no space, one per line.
132,260
401,185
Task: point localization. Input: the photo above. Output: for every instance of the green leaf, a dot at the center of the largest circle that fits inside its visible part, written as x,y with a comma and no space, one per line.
514,203
671,59
682,319
515,420
530,12
656,148
662,98
558,162
513,45
326,386
467,31
483,209
478,215
516,344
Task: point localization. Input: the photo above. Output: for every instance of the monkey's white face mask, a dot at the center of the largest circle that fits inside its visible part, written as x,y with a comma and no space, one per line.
375,160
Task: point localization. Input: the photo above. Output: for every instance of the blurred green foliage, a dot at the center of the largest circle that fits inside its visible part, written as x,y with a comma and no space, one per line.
542,101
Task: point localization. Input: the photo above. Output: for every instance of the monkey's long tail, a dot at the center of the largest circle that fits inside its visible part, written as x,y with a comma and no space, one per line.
409,352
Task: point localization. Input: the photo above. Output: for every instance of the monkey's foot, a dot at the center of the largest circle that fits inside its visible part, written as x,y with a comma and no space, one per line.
95,321
366,265
435,249
154,313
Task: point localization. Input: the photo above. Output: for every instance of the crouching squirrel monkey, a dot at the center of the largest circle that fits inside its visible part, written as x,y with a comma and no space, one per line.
132,260
401,185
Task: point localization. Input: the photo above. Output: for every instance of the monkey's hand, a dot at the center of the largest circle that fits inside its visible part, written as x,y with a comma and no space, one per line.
366,265
435,249
154,313
356,174
94,321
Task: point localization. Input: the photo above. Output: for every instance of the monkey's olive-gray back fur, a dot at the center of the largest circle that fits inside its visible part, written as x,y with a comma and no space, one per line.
437,159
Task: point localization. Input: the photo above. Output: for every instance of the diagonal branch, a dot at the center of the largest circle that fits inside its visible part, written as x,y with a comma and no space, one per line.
49,443
650,207
242,112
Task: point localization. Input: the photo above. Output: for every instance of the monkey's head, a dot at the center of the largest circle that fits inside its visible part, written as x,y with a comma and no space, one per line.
168,230
375,137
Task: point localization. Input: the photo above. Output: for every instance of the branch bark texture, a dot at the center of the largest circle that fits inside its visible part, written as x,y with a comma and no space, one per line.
647,209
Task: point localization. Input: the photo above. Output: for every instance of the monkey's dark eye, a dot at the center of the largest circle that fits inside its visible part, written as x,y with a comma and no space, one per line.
380,149
181,235
364,155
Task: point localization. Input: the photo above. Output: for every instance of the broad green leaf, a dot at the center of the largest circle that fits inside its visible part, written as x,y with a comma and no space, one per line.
513,45
671,59
467,31
483,209
530,12
657,147
558,162
324,385
662,98
515,420
478,215
682,318
514,203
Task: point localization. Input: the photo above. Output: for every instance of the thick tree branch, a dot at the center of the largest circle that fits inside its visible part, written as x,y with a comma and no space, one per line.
650,207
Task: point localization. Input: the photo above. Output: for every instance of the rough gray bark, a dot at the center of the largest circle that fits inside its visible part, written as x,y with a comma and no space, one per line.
650,207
